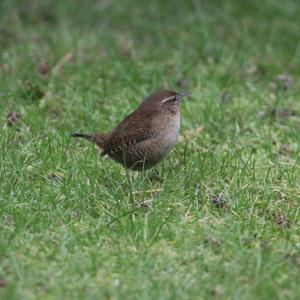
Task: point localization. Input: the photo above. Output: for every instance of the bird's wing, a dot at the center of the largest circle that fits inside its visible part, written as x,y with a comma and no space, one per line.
132,130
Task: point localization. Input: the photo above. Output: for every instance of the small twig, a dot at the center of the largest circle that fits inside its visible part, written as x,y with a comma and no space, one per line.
65,59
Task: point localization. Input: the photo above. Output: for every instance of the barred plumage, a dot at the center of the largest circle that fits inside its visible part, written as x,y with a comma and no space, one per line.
144,137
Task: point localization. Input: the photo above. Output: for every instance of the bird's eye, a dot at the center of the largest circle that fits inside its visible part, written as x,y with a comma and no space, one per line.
172,98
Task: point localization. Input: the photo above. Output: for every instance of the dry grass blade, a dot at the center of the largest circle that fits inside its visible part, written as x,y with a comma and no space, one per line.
191,134
148,191
68,57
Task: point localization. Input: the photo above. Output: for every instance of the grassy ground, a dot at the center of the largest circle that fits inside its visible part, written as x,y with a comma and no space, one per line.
218,219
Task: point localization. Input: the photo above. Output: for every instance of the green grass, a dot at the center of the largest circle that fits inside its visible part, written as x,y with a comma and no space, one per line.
223,221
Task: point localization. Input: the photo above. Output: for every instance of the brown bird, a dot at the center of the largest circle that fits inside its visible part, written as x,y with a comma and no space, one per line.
144,137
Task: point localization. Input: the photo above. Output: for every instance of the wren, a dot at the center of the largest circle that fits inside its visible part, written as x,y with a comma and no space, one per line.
145,136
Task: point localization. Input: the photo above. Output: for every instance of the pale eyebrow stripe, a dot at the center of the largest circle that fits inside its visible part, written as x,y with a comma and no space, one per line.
169,98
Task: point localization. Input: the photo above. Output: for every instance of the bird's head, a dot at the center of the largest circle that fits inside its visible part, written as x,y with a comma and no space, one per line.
165,100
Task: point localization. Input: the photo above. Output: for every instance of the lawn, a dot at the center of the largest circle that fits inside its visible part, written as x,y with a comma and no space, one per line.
218,218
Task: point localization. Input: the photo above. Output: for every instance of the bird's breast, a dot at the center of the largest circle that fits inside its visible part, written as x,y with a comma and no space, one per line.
166,136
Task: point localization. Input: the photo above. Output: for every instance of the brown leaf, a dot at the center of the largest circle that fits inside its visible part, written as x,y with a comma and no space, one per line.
3,282
13,118
43,68
282,221
219,200
216,291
